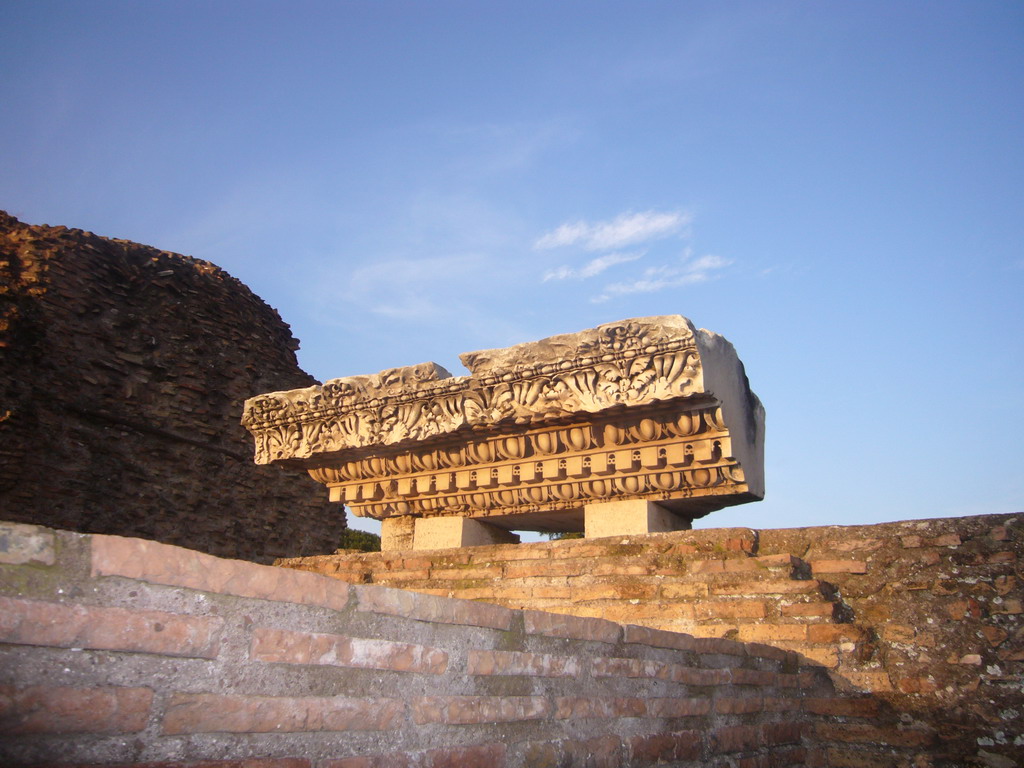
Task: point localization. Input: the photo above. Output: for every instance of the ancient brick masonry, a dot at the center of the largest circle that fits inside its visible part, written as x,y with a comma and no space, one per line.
123,370
925,616
117,651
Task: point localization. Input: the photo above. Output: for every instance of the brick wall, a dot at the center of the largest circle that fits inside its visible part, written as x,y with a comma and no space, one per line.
122,375
117,651
926,616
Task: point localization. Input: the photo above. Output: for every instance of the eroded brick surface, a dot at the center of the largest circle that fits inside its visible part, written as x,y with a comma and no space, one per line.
33,622
518,663
122,378
20,543
175,566
286,647
67,710
214,713
462,710
431,608
560,625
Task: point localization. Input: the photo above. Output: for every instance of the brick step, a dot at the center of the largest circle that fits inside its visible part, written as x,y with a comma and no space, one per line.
641,610
564,550
704,570
575,557
823,643
576,561
476,584
679,543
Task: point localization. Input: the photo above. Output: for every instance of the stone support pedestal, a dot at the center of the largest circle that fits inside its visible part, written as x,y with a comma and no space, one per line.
449,532
396,533
628,517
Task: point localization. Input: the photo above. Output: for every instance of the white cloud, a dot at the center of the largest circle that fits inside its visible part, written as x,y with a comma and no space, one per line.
601,263
559,273
625,229
689,272
592,268
566,234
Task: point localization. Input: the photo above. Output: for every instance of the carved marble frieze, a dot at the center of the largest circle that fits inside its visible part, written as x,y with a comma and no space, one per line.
648,408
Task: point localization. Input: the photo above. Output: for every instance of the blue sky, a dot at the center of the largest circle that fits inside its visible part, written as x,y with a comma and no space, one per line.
838,188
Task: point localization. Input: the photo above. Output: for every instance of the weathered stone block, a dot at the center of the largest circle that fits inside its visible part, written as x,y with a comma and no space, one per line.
451,532
21,544
630,516
397,533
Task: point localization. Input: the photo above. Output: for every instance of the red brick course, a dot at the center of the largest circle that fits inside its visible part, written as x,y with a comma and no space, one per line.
736,738
431,608
66,710
732,609
33,622
486,756
839,566
812,610
215,713
518,663
559,625
860,733
843,707
570,707
158,563
285,647
658,638
665,747
737,706
678,707
771,633
759,677
256,762
463,710
864,616
775,587
600,752
675,673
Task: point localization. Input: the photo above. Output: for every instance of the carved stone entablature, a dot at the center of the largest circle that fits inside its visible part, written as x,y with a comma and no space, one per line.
648,408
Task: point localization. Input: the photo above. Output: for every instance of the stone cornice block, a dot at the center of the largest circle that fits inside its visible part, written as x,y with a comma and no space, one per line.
647,408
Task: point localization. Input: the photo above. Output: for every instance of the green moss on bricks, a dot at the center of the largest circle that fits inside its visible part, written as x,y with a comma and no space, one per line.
458,584
506,685
513,638
33,582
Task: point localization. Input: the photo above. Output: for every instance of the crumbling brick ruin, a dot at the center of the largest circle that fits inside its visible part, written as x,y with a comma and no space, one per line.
123,370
